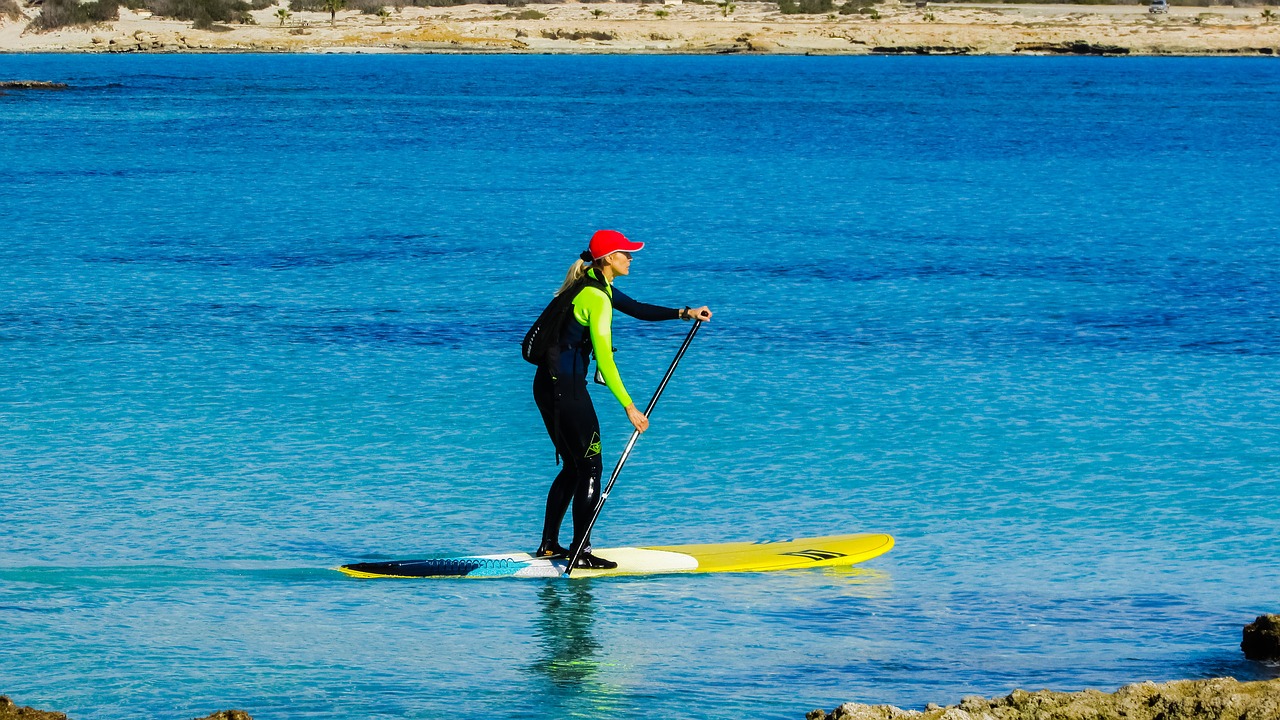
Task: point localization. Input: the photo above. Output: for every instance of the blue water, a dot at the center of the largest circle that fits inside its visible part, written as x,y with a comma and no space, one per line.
260,317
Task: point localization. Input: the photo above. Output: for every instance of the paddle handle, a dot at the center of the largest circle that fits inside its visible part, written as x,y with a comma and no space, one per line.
631,443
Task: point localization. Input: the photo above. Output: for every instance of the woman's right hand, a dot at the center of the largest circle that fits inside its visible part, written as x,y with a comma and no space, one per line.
637,418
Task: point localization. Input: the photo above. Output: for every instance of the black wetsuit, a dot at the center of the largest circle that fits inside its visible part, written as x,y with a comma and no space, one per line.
571,422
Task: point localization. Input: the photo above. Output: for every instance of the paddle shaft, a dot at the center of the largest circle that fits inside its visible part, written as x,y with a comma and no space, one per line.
635,435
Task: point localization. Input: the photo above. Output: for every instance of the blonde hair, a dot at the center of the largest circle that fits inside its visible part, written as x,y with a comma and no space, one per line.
576,271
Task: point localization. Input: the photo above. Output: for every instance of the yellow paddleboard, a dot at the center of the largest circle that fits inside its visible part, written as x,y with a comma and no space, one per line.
800,553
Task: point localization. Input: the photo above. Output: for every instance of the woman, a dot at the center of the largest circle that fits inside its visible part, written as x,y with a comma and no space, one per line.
562,394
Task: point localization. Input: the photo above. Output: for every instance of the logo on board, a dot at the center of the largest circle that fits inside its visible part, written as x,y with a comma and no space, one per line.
815,555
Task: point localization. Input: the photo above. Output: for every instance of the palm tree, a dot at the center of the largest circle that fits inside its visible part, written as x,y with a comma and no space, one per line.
284,14
384,13
597,13
727,6
333,6
1268,15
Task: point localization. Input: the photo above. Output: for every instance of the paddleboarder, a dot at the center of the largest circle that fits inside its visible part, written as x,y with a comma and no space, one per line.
561,390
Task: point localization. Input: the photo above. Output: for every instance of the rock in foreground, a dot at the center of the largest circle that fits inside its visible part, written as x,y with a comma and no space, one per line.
1218,699
1262,638
10,711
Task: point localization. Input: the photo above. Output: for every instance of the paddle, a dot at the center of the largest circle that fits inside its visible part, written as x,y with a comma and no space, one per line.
635,435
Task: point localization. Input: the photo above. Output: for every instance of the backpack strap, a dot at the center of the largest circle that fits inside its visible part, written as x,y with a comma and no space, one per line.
589,280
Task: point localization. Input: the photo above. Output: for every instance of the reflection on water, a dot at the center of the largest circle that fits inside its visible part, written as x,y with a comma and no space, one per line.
564,626
856,581
1229,663
571,658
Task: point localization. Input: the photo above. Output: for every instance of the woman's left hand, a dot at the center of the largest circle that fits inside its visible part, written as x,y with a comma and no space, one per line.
699,313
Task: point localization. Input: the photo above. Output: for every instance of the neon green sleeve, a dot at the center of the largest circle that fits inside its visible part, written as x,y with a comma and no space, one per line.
593,309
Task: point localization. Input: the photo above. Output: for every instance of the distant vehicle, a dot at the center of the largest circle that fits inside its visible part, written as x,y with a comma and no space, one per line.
1159,6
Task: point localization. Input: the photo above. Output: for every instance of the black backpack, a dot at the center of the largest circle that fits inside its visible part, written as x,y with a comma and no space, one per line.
542,343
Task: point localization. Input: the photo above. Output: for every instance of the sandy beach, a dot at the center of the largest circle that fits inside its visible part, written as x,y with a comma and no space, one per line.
689,29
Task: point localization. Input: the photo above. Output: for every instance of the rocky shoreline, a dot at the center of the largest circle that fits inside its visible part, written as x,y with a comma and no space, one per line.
895,28
31,85
1217,699
11,711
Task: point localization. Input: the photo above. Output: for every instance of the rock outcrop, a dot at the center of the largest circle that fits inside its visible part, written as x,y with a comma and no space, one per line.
10,711
579,35
1076,47
760,45
921,50
31,85
1218,699
1262,638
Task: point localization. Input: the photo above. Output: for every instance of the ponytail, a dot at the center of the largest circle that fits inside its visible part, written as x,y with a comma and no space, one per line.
576,271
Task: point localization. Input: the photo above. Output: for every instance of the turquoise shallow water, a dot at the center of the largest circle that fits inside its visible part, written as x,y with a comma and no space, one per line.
260,316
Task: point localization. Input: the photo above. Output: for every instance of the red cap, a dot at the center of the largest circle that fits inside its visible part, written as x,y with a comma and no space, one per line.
606,242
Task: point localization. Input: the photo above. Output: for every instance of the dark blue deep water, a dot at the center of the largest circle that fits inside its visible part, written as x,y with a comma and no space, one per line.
259,316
